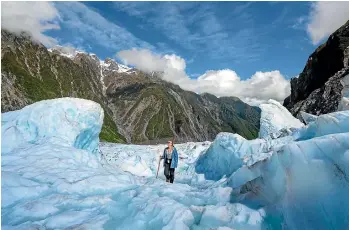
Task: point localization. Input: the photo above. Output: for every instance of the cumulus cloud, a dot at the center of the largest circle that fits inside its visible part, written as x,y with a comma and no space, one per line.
172,65
254,90
32,17
257,89
143,59
325,18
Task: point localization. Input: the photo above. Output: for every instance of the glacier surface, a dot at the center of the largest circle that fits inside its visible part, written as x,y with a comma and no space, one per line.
275,118
67,121
302,182
56,175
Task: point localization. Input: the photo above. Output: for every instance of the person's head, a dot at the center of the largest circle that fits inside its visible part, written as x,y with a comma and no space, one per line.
170,144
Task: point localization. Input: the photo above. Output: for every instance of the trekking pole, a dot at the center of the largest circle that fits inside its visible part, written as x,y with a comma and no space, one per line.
158,167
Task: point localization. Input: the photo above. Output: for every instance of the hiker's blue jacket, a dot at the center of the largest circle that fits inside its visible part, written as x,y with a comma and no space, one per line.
174,161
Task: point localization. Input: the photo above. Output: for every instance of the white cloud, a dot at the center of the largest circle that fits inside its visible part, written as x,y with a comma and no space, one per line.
325,18
255,90
31,17
175,62
260,87
143,59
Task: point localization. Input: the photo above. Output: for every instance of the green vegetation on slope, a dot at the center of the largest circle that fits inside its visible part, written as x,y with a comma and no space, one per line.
109,133
158,125
69,80
147,107
157,109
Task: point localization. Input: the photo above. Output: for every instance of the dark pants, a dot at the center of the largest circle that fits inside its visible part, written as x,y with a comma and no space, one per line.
169,172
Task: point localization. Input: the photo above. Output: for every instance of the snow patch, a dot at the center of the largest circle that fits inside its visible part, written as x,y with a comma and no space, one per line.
65,51
71,53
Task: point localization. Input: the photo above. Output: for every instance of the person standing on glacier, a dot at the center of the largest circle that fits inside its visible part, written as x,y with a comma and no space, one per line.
170,157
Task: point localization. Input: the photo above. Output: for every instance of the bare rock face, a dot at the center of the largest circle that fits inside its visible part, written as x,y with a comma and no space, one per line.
346,57
318,89
325,99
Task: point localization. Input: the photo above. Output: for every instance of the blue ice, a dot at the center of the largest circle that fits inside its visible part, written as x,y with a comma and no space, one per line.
56,175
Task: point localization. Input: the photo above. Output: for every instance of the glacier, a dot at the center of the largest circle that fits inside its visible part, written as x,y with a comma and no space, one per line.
275,118
302,181
67,121
57,175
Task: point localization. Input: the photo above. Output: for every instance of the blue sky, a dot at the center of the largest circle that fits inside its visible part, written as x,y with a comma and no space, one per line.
243,36
244,49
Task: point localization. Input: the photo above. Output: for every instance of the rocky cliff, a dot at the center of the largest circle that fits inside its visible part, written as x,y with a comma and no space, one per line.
139,107
321,86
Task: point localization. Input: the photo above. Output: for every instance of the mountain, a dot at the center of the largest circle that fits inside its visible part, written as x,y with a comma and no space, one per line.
155,109
139,107
324,80
30,73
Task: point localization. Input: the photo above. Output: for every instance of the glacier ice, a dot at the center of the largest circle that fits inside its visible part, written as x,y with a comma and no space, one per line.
307,117
300,181
229,152
56,175
142,160
332,123
214,165
274,118
67,121
49,181
306,181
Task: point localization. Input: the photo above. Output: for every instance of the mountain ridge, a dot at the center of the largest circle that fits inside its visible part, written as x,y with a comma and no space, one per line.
139,106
